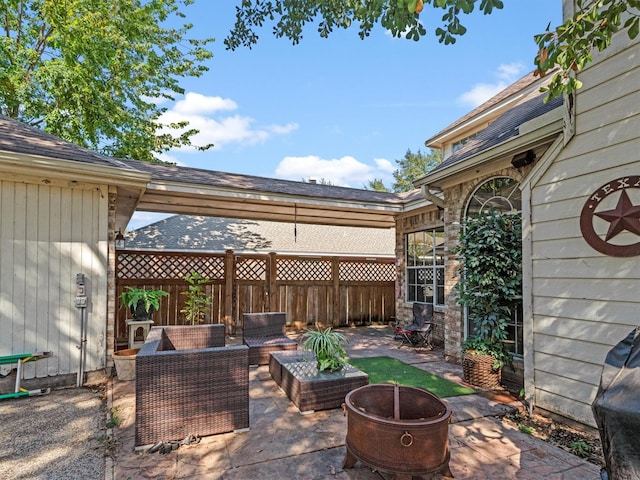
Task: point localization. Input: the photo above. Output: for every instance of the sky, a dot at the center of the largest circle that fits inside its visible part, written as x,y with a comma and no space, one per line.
342,109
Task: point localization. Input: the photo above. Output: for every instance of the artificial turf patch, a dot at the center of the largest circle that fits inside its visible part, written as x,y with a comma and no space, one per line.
391,370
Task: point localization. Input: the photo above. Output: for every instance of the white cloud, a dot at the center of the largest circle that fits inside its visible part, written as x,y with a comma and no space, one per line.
385,165
481,92
345,171
216,123
282,129
196,104
510,71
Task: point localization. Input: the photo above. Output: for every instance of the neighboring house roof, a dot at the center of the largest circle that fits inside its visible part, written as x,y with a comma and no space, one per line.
184,232
505,127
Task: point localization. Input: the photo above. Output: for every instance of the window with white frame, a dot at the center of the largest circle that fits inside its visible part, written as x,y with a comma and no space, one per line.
424,260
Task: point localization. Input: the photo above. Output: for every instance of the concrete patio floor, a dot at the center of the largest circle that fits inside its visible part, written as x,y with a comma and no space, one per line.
283,444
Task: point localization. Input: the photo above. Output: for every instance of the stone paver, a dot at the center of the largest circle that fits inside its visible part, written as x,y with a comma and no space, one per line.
284,444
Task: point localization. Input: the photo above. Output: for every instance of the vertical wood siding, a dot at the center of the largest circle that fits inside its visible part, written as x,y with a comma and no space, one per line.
584,302
47,235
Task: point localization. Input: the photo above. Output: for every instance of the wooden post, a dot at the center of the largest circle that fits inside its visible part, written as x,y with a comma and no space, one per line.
272,286
229,276
335,276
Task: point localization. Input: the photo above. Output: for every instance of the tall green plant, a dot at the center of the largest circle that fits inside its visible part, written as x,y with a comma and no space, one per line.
198,302
490,251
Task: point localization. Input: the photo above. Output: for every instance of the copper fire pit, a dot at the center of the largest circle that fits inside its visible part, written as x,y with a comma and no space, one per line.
397,429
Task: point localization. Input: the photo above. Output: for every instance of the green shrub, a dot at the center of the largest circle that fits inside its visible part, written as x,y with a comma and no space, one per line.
490,252
327,347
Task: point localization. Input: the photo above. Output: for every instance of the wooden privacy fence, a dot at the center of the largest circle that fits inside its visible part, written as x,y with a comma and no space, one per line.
328,291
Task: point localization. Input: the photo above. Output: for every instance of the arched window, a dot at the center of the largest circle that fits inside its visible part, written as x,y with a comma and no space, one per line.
499,194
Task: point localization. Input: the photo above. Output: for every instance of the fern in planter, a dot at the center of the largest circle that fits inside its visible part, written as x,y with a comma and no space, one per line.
327,347
490,252
142,302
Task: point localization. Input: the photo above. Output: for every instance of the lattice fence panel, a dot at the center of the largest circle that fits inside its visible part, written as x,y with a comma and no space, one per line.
250,268
362,271
304,269
158,265
425,275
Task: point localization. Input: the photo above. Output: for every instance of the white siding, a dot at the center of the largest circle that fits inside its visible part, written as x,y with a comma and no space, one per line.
48,234
584,302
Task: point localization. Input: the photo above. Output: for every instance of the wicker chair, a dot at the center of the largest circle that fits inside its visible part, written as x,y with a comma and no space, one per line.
189,383
264,333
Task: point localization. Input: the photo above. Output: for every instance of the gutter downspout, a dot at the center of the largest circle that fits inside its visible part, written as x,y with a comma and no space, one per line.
81,304
437,201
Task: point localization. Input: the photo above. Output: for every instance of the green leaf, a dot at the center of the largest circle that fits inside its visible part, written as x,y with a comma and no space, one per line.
102,102
634,28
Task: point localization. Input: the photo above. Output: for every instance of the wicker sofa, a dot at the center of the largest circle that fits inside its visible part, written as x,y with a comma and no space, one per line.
189,383
264,333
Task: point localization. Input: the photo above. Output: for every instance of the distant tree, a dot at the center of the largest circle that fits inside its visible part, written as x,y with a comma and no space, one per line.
412,167
570,45
95,72
376,184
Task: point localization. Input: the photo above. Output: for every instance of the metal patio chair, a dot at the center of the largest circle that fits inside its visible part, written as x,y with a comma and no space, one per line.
420,331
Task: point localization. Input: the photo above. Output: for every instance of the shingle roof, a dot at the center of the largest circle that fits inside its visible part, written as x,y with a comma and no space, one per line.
183,232
505,127
520,85
163,172
18,137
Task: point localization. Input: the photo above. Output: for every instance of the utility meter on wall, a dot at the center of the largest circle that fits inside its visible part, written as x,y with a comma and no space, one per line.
81,295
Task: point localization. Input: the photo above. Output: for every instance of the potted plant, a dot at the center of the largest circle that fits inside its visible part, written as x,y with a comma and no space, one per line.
490,252
125,363
327,346
142,302
197,303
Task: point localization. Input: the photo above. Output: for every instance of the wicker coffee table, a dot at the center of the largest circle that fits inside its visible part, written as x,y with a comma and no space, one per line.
296,373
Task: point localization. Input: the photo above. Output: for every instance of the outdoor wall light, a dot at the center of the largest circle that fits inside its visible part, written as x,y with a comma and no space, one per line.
119,240
523,159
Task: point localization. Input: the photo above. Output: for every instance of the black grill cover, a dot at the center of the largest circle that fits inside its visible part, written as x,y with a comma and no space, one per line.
616,409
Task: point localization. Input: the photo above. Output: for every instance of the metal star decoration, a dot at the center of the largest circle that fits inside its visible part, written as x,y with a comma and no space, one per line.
625,216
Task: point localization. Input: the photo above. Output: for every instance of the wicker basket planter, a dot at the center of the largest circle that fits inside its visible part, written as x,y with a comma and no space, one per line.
478,370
